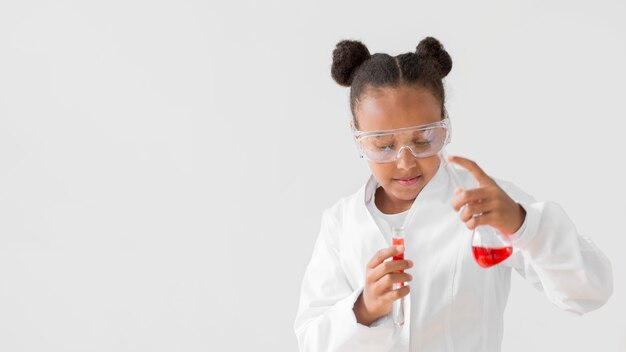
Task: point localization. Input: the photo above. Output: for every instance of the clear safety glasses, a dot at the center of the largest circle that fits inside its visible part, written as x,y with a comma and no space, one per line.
386,146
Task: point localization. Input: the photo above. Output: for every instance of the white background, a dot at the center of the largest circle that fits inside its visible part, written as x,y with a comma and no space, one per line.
164,164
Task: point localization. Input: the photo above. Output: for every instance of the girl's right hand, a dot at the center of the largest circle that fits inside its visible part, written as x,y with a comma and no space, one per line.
377,297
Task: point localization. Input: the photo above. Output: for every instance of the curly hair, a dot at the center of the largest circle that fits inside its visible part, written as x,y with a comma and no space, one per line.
353,66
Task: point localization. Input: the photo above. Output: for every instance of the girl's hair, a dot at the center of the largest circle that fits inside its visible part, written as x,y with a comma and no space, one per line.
354,67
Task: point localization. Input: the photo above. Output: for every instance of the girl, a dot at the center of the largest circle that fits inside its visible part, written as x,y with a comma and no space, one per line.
452,304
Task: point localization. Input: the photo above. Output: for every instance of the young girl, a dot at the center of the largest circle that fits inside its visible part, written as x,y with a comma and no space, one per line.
452,304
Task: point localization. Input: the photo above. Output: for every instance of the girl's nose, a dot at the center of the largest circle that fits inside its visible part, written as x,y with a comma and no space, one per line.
405,159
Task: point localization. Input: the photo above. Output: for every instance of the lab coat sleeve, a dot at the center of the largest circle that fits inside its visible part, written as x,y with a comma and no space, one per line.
550,253
325,319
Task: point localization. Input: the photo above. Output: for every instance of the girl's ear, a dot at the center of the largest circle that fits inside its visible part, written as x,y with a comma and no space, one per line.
351,125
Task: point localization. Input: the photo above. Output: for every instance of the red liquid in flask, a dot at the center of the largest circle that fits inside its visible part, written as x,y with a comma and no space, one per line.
397,241
487,257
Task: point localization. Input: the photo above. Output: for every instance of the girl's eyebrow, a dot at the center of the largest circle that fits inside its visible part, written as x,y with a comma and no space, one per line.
382,136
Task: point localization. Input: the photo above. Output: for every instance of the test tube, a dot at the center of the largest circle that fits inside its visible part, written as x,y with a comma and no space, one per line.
397,239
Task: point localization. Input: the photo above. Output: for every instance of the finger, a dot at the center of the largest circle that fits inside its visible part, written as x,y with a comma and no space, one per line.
470,196
473,168
476,209
484,219
390,267
383,254
396,294
385,284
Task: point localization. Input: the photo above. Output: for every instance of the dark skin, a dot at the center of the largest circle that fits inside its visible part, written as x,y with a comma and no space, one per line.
390,108
405,106
495,207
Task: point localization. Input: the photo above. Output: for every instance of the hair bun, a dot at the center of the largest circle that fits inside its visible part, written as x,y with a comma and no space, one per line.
347,57
432,50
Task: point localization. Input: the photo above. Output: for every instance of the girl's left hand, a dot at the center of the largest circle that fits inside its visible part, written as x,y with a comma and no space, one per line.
488,204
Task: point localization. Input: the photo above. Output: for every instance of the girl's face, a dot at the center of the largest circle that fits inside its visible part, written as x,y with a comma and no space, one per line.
397,107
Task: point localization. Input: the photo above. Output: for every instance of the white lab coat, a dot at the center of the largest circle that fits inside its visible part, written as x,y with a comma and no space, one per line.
454,304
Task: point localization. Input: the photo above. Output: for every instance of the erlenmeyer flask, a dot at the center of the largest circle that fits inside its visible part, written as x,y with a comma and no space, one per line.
489,245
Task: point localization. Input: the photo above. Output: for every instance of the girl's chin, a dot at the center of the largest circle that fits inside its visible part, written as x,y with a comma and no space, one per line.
407,193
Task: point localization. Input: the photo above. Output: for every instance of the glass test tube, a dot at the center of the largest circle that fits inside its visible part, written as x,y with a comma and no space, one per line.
397,239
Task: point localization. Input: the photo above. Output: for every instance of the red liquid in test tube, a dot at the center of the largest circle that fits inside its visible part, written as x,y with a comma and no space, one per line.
398,241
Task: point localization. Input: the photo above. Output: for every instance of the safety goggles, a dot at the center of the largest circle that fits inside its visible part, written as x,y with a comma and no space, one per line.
386,146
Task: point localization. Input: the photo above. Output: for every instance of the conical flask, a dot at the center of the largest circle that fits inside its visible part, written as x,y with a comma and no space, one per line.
489,246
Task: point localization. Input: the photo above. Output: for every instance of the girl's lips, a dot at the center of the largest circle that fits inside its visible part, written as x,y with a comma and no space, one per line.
408,181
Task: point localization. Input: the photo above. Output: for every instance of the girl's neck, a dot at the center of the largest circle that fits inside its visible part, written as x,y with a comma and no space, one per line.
390,206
